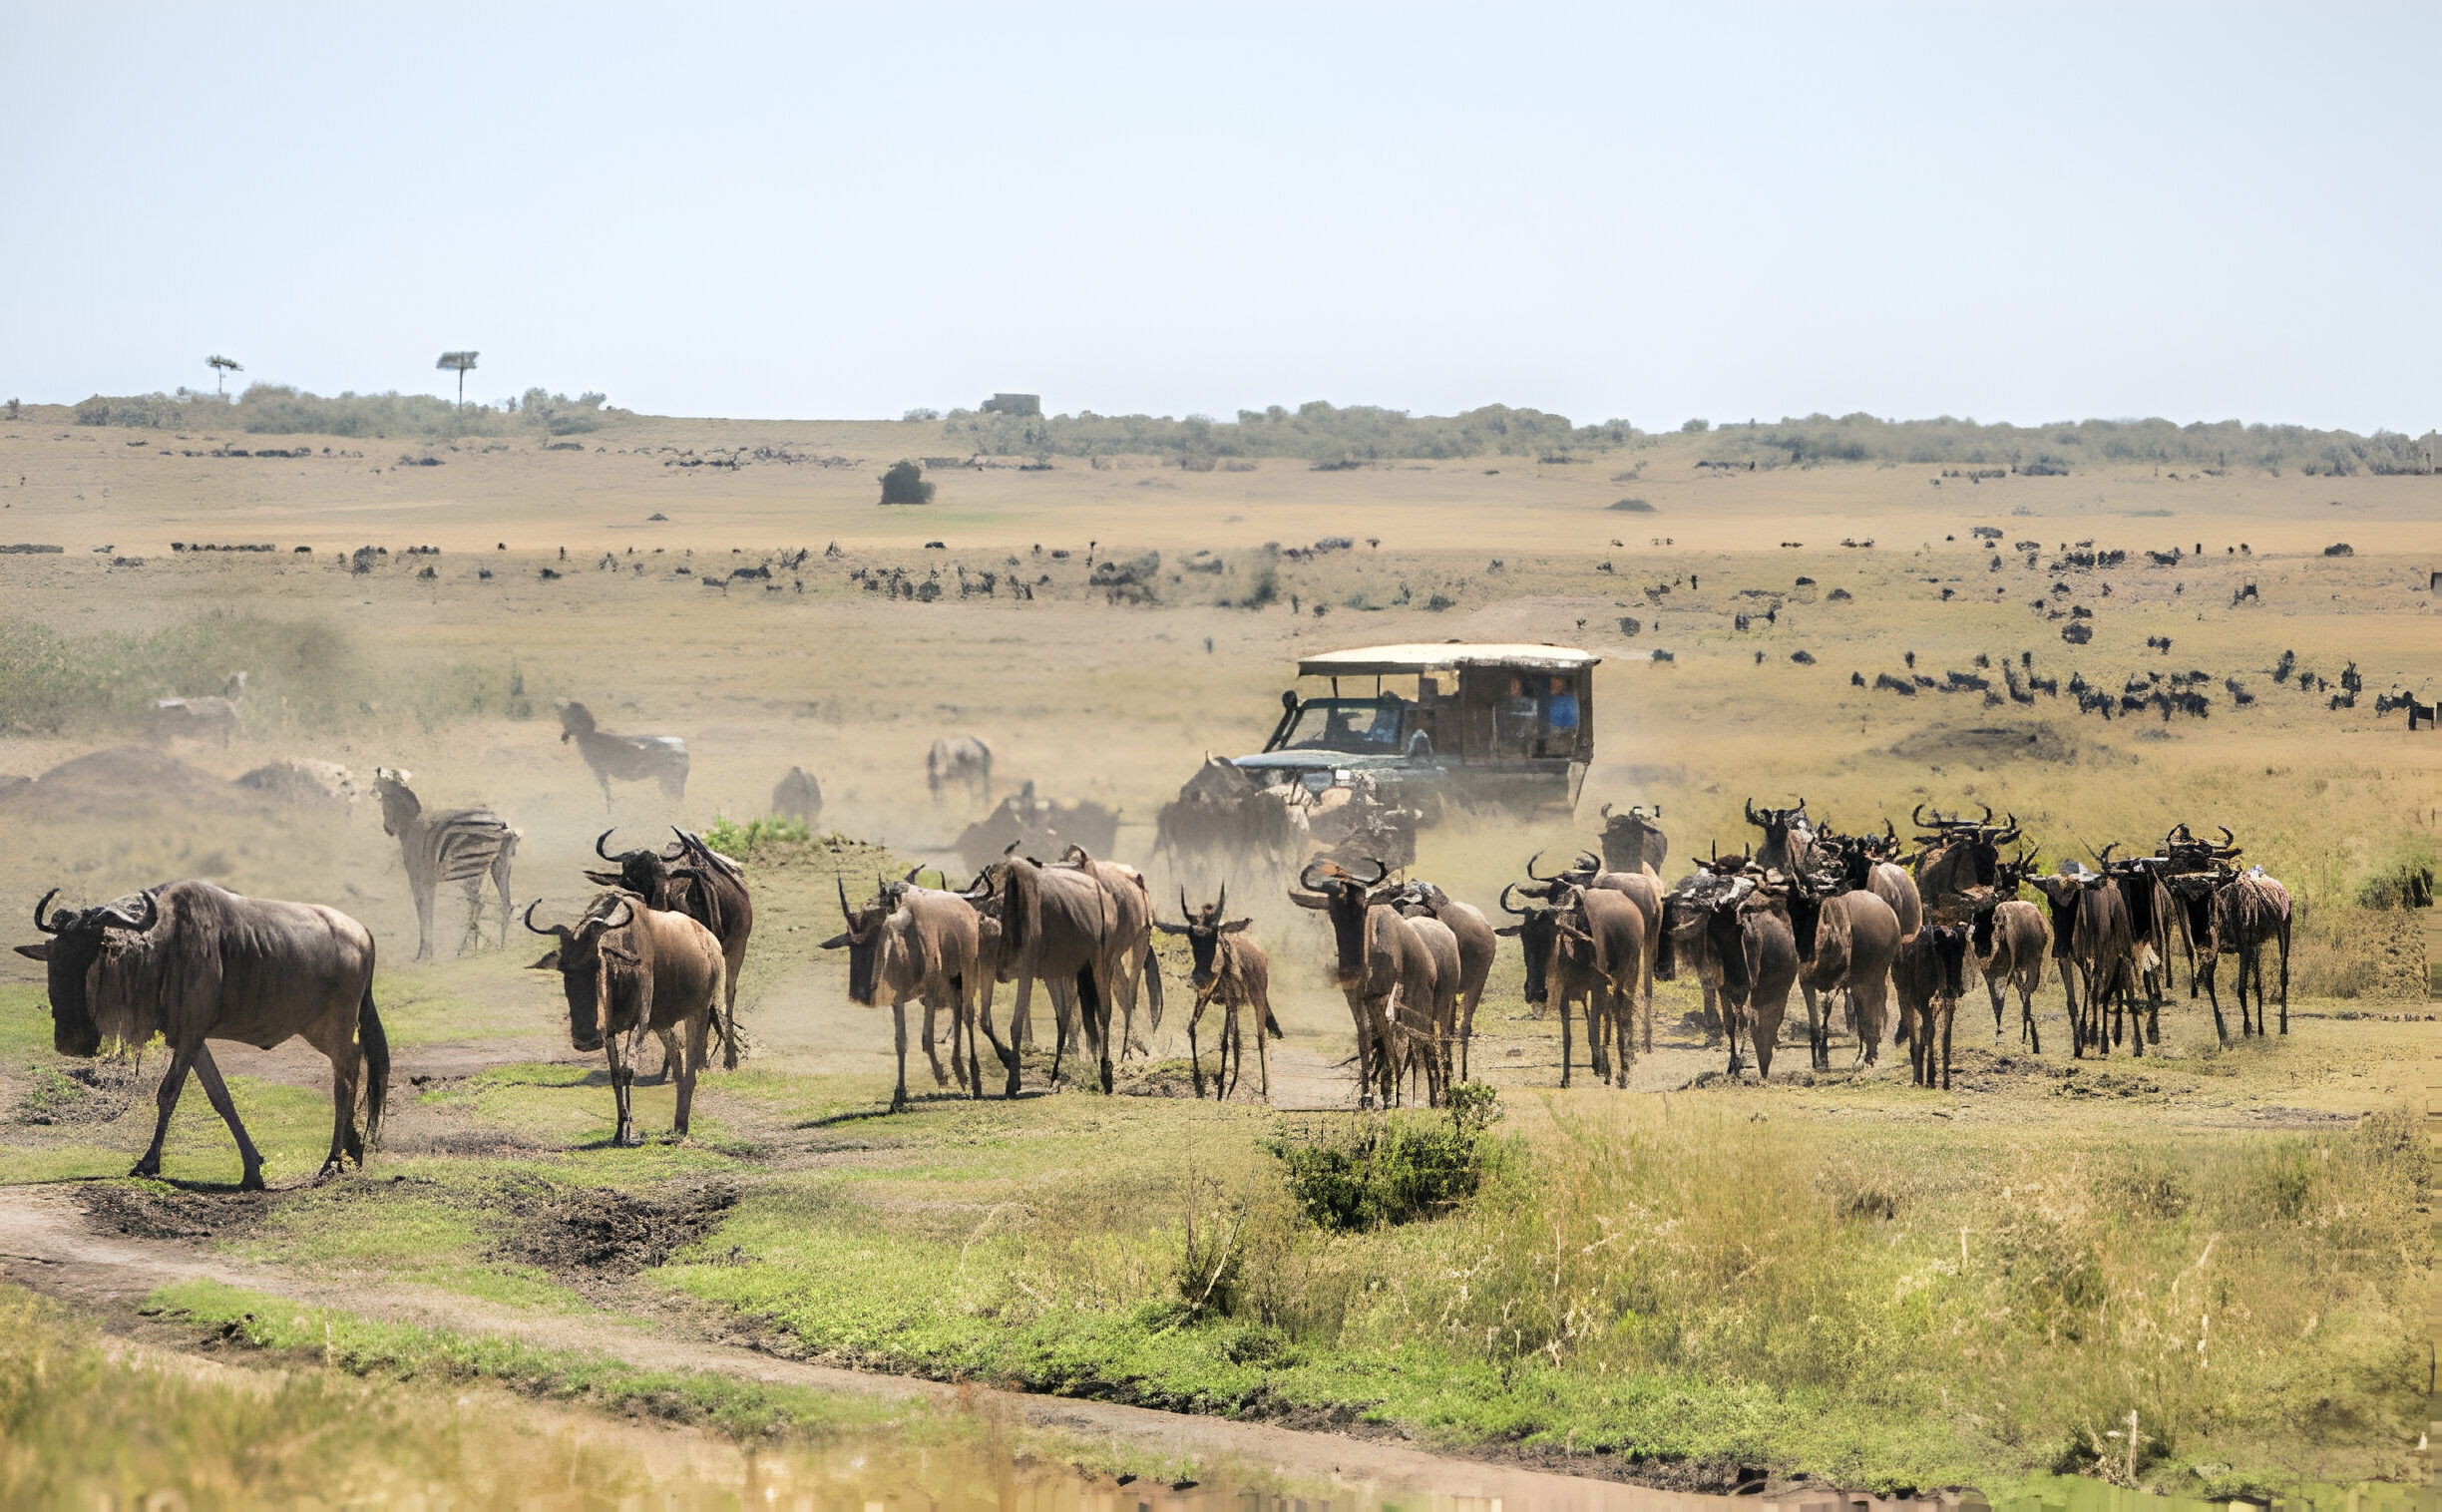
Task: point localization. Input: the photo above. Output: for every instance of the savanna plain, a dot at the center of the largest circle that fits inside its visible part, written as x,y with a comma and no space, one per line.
2203,1272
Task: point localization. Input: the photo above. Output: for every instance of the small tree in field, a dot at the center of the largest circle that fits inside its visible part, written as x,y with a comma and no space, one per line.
222,367
905,484
459,363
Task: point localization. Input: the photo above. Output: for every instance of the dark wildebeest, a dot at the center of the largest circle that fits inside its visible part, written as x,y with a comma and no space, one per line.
2251,910
691,877
1846,942
2090,933
2151,915
1728,921
920,944
1866,862
1641,888
1382,966
798,796
2008,942
1584,943
630,758
1437,1019
192,962
1632,842
1233,971
628,971
1957,855
456,844
199,718
1928,979
959,758
1787,836
1477,945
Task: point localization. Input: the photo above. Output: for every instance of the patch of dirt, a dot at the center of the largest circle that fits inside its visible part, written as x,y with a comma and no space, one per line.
595,1231
149,1213
79,1092
110,780
1985,745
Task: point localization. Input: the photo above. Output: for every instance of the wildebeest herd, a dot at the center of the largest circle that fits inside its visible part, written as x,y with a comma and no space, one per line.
1856,922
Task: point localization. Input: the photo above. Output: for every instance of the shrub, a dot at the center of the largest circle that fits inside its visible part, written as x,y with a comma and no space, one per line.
1392,1170
905,484
742,839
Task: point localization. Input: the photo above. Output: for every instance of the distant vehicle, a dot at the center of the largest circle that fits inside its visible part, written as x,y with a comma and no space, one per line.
1349,776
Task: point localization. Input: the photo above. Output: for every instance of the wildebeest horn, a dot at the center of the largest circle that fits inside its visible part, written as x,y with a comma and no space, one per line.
1305,878
916,869
1504,901
1588,861
152,910
1379,871
2230,842
614,922
2104,859
1606,811
555,930
1220,907
1918,818
1531,872
841,883
1801,797
686,843
1186,911
47,929
1987,818
597,843
1750,819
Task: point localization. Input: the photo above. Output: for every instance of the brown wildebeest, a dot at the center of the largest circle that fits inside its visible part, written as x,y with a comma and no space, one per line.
454,845
1746,930
1844,943
1427,1024
2008,944
2152,914
1633,842
628,971
192,962
1866,862
798,796
920,944
1639,887
1928,980
959,758
2250,912
2090,932
1585,945
1133,939
1059,925
630,758
1477,945
691,877
1233,971
1378,959
199,718
1957,855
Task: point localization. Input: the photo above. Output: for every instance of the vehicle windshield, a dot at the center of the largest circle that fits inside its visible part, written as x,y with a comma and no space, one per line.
1346,724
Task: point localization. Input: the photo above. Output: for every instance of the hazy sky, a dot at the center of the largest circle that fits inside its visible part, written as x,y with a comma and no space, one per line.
2026,213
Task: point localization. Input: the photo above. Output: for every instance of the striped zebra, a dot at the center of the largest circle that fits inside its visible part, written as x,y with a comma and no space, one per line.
458,845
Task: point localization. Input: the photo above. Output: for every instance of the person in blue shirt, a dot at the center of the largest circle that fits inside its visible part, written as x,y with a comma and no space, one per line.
1560,712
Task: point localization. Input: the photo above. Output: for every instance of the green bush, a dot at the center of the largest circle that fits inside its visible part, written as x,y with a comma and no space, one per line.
905,484
1394,1169
741,840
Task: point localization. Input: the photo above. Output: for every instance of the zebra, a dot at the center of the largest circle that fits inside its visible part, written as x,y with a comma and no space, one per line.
457,845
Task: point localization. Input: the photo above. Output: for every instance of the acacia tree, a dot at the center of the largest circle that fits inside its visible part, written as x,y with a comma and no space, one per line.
222,367
905,484
461,363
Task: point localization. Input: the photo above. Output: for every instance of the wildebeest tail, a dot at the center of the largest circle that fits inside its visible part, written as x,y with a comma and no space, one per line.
377,1045
1152,986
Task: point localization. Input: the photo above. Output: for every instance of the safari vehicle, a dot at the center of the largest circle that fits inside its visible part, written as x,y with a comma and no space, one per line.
1355,770
1504,726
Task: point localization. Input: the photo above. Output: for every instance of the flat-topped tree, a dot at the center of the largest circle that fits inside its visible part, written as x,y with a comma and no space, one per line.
222,367
461,363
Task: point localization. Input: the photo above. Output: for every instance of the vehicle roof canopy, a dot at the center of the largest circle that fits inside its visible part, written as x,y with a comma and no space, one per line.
1426,656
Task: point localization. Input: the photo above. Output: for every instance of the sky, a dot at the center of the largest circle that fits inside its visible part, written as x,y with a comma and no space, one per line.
2006,212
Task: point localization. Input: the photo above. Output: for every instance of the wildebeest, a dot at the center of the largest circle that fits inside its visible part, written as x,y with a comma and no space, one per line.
1846,942
1131,922
1725,923
1956,856
1639,887
192,962
2090,932
628,971
1866,862
923,944
2239,914
630,758
1787,836
1928,979
1381,966
2151,916
1059,925
1231,969
1584,945
798,796
452,845
2007,939
959,758
691,877
1477,945
1429,1021
201,718
1632,841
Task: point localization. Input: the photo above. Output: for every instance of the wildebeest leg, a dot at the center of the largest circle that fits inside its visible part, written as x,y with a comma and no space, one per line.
2026,1016
1814,1030
172,1082
1261,1002
1195,1056
1948,1017
1233,1044
623,1086
1992,985
940,1078
1094,1010
899,1098
698,1035
2281,939
1730,1022
344,1096
1007,1052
